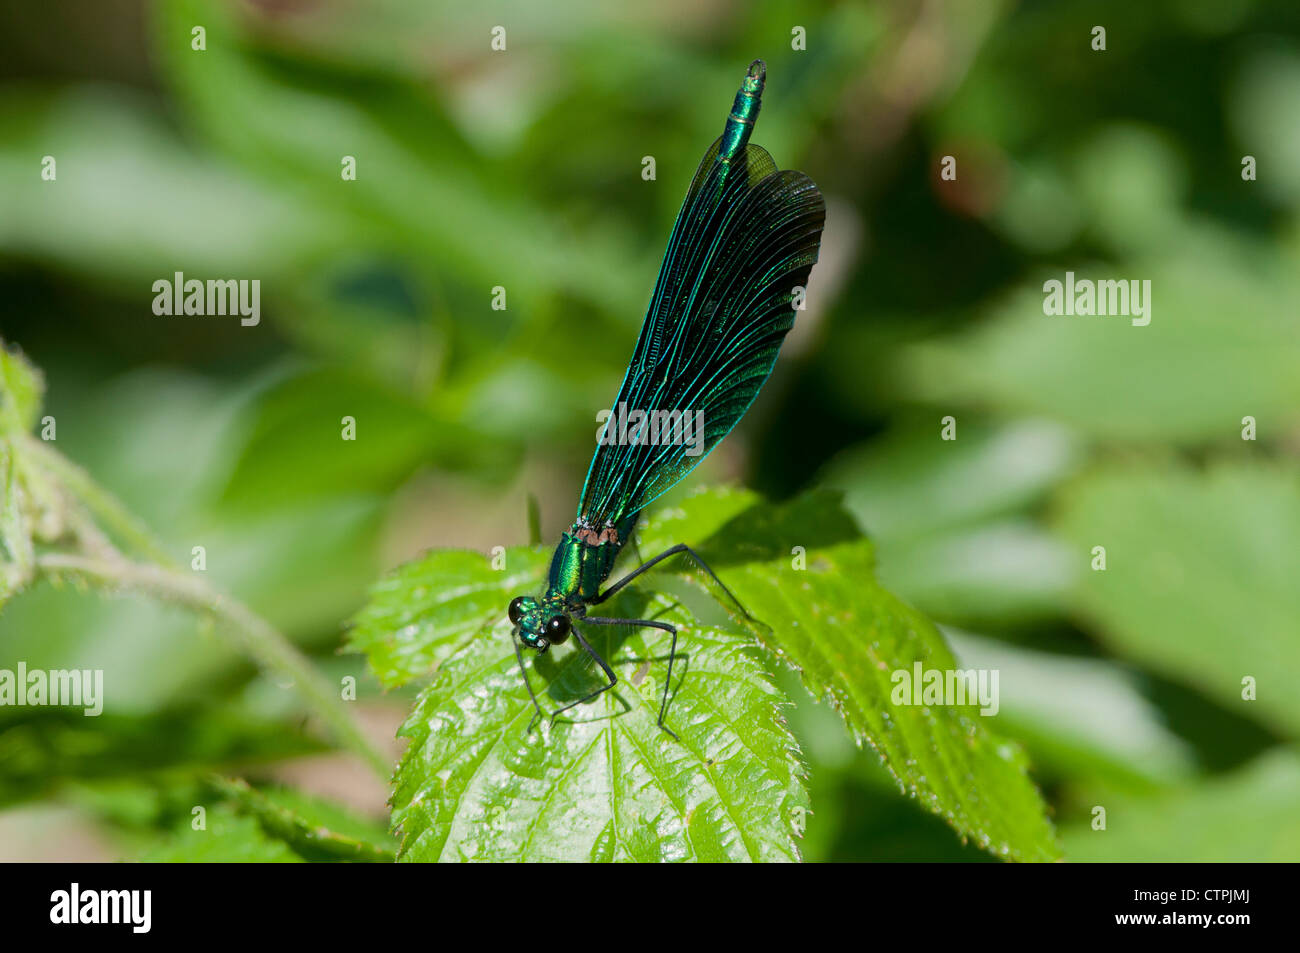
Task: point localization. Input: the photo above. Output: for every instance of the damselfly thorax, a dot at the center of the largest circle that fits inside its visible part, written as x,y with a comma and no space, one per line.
582,562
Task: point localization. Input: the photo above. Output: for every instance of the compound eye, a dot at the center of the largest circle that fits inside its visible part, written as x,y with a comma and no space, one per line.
516,609
557,629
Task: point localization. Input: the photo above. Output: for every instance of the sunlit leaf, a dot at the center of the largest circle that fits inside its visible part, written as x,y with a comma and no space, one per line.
847,635
608,785
471,758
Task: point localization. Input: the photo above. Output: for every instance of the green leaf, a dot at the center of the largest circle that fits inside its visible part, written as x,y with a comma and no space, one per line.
229,838
295,424
426,609
1201,576
846,635
1261,109
44,750
244,824
1188,377
940,514
912,483
16,553
434,189
1247,816
610,785
139,231
310,828
1002,572
1080,717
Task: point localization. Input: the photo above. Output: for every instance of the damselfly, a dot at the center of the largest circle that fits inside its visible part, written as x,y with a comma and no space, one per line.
736,266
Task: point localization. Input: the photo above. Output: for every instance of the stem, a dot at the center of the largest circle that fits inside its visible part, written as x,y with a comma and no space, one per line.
258,638
98,500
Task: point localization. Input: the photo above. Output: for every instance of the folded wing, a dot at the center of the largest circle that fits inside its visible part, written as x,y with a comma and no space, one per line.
746,238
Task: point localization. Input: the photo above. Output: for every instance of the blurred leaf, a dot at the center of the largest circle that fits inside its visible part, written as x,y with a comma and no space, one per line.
1249,816
296,426
1263,110
1080,717
133,805
417,182
302,567
128,195
229,838
21,386
42,750
913,482
1040,212
1007,571
935,509
1133,182
1188,377
305,824
1201,576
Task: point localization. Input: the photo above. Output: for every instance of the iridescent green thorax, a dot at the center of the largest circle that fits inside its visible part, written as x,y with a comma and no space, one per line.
584,560
744,112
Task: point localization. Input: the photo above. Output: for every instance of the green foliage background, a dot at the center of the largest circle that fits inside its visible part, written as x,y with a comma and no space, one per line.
523,169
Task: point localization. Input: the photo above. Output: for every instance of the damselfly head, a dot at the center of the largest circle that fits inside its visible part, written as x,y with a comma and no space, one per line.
539,626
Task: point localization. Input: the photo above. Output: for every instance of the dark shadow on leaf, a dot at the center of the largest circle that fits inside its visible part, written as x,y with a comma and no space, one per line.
577,675
765,531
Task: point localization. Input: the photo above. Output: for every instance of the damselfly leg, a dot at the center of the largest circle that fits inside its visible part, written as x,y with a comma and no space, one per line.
609,673
519,657
587,647
672,654
673,551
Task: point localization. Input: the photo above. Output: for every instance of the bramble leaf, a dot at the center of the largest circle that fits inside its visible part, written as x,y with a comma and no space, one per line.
847,636
476,784
606,785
